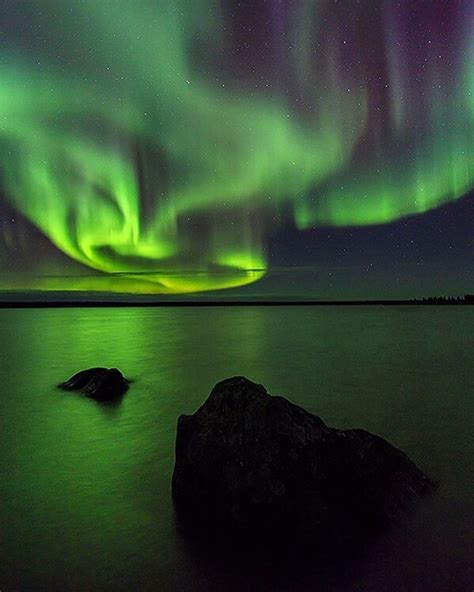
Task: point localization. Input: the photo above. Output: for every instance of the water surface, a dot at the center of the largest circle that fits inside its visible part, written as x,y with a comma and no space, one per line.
85,488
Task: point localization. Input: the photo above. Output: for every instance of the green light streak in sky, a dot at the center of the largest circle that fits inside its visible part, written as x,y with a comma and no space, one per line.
134,160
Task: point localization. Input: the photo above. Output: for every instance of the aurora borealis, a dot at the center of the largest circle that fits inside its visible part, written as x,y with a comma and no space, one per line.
159,146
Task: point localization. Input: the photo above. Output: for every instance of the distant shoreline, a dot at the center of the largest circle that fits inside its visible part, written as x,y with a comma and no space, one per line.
233,303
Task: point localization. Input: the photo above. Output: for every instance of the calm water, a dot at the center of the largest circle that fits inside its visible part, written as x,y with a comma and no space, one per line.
85,489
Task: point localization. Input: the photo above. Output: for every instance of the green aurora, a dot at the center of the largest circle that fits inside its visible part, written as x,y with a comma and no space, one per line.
131,143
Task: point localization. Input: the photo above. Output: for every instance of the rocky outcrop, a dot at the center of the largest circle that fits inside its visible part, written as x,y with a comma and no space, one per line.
254,464
99,383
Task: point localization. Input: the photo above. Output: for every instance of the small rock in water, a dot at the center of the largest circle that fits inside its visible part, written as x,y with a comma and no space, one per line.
253,464
98,383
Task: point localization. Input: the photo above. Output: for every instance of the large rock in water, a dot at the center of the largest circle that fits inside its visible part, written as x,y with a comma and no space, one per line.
99,383
254,464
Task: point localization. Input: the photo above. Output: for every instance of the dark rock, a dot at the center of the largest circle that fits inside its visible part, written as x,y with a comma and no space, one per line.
254,464
98,383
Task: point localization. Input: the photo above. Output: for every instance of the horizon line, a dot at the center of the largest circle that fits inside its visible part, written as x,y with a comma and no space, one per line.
425,301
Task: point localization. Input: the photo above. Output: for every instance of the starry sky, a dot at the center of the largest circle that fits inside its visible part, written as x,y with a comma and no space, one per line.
261,148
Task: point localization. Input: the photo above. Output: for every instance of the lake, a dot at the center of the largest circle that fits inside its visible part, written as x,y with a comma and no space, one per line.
85,488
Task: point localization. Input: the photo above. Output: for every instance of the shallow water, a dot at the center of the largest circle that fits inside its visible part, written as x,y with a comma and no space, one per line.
85,488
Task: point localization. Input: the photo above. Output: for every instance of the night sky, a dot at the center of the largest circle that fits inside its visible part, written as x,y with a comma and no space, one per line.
276,148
